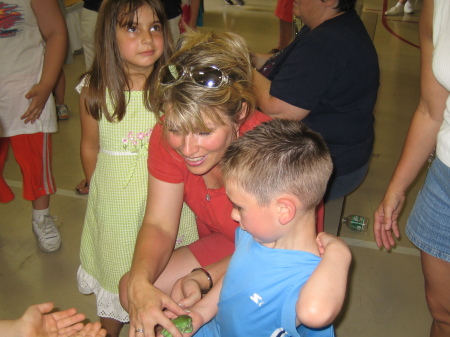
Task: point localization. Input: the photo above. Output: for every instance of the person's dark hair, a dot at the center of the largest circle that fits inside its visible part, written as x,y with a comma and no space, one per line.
276,157
346,5
108,75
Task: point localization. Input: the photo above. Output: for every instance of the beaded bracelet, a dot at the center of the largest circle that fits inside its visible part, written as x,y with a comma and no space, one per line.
208,275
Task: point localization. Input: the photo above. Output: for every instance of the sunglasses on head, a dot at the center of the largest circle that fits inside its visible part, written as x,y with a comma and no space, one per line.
205,76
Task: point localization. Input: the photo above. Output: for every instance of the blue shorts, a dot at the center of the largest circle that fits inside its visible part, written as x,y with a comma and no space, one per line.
428,225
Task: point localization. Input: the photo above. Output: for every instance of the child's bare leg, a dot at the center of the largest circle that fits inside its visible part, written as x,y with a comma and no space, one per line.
112,326
42,202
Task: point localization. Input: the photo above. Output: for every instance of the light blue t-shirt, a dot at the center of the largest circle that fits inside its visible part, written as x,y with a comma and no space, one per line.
260,291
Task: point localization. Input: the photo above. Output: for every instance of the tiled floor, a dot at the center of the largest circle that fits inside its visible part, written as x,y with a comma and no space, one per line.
385,296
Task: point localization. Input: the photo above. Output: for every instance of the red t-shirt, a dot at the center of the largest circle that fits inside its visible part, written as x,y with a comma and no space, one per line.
214,216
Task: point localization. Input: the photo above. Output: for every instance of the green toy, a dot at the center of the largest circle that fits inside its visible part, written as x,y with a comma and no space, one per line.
183,323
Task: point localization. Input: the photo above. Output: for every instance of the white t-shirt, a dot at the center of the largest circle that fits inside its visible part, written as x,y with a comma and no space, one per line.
22,56
441,70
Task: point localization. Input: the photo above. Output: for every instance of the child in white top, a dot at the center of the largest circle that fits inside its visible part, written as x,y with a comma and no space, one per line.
33,42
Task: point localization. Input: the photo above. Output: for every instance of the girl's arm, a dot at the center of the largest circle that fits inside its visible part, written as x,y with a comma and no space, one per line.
90,139
322,296
54,32
154,247
420,140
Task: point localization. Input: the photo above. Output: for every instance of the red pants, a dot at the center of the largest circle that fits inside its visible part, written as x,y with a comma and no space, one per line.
33,153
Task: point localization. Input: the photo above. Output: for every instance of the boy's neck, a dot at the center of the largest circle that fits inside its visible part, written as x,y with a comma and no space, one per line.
299,235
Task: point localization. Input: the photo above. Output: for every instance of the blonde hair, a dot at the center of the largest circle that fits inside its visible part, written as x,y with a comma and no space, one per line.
279,156
186,105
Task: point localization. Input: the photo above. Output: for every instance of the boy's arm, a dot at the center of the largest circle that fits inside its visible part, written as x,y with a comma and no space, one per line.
90,140
204,310
322,296
54,32
187,290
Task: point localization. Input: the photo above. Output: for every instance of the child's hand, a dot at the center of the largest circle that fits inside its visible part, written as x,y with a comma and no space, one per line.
89,330
37,322
39,95
324,240
82,188
186,291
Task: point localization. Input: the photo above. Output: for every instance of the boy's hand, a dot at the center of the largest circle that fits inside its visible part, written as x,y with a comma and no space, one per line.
39,95
324,240
187,290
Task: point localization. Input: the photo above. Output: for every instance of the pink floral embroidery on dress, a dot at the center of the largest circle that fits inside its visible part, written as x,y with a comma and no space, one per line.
136,142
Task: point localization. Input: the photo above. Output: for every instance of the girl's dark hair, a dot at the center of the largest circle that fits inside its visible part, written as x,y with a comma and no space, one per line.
108,75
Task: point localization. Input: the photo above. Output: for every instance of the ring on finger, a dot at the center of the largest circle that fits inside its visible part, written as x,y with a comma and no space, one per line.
140,330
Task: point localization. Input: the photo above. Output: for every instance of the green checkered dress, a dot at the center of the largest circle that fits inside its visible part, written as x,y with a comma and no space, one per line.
116,206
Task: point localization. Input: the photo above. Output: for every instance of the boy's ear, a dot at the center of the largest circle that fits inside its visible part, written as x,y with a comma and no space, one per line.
286,210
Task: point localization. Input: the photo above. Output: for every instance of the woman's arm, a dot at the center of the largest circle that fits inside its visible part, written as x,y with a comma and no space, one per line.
322,296
54,32
420,140
90,139
272,106
154,247
258,60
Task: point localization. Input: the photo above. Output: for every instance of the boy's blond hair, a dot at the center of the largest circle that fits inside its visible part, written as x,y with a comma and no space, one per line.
276,157
186,105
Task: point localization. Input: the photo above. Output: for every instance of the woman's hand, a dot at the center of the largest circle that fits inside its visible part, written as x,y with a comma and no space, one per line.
385,219
145,306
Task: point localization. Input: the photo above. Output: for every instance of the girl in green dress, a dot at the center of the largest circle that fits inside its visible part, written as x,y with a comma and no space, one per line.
116,124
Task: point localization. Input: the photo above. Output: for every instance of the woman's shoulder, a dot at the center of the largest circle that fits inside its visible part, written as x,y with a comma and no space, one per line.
257,118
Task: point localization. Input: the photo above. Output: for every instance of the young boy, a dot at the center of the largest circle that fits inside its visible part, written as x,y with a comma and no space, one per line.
282,280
